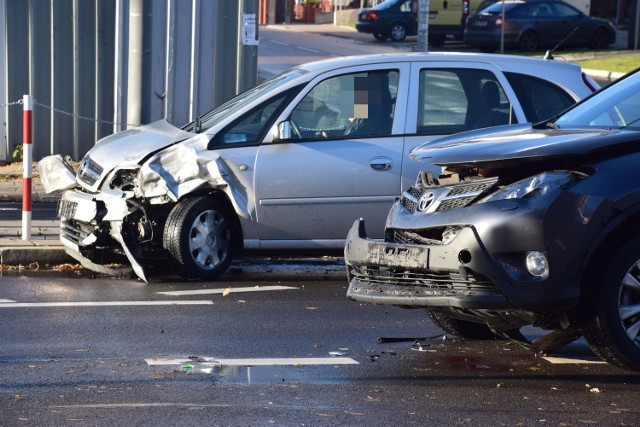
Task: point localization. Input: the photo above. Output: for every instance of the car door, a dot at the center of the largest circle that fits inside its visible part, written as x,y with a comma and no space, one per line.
342,160
450,97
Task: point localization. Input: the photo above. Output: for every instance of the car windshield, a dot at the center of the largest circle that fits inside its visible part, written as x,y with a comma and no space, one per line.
219,113
615,107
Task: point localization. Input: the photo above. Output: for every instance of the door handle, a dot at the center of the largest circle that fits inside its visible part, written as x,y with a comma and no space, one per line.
380,164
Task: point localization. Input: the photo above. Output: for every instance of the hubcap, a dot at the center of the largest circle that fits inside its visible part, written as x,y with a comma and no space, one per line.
629,303
209,239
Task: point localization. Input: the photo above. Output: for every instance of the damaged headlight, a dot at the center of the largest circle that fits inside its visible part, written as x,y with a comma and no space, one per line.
123,179
534,185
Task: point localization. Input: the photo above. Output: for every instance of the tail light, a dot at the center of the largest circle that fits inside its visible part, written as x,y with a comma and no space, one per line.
465,10
587,81
372,16
499,22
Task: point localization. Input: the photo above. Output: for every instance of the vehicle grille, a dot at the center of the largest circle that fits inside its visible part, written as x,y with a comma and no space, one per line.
446,282
76,231
418,237
89,172
449,197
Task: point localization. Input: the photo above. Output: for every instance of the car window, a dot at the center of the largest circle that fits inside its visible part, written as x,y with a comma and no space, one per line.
540,99
250,127
523,11
454,100
565,11
360,104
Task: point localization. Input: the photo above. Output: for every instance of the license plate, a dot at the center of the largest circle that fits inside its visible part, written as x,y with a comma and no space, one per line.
66,209
481,24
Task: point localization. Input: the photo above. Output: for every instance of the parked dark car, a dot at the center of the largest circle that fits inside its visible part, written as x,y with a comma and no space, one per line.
531,25
394,19
543,229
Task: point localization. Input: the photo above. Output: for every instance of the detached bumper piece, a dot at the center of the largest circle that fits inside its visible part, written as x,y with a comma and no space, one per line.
416,275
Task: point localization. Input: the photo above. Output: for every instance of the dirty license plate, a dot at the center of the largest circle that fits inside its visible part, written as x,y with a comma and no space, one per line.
481,24
400,257
66,209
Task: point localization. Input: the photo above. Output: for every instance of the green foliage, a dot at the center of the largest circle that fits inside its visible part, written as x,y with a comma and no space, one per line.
17,154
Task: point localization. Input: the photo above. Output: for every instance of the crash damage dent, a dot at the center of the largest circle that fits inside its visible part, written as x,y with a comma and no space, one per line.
56,174
183,169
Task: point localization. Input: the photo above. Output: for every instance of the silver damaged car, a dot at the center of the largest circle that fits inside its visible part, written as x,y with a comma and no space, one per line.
288,164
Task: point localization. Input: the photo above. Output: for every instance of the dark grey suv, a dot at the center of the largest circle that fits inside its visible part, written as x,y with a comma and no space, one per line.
529,226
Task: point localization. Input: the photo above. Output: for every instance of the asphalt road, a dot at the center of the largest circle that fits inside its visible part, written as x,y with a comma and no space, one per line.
80,350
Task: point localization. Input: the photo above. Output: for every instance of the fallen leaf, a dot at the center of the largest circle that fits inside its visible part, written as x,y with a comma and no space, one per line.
226,292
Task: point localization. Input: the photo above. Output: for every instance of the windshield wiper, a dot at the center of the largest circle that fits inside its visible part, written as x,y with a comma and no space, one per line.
630,123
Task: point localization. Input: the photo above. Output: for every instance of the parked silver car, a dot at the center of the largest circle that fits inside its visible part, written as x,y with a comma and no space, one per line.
289,164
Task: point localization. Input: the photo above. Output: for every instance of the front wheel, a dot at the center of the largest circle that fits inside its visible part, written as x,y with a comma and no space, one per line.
613,329
600,39
200,235
380,36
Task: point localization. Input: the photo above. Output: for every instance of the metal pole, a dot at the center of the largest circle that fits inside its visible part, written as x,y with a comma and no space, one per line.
134,72
502,29
635,33
27,159
247,65
423,26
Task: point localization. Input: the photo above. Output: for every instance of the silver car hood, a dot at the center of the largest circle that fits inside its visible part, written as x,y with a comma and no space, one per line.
133,145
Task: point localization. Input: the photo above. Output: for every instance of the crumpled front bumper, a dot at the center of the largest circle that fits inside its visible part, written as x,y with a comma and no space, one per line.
482,267
83,217
418,275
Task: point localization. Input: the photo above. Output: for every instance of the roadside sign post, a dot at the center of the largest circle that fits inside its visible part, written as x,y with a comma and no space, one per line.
423,25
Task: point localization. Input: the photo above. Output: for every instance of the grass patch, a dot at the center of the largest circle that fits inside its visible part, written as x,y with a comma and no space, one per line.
621,63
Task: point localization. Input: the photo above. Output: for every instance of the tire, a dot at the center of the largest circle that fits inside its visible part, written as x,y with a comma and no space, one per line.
528,42
200,236
398,32
437,40
600,39
460,328
613,329
380,36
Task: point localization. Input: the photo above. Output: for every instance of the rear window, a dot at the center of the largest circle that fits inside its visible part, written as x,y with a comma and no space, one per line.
540,99
496,8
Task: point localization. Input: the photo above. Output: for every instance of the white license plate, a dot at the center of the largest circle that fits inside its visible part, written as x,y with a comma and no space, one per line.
481,24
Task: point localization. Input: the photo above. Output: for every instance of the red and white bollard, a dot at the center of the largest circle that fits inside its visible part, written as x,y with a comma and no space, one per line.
27,160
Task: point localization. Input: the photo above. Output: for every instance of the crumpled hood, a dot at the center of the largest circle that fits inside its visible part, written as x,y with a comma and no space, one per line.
133,145
521,145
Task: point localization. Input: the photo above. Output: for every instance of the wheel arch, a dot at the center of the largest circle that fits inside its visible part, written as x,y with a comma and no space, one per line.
617,233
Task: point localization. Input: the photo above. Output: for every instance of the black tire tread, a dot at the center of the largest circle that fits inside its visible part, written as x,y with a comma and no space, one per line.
460,328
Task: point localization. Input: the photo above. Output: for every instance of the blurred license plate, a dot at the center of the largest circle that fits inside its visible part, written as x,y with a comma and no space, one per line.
481,24
66,209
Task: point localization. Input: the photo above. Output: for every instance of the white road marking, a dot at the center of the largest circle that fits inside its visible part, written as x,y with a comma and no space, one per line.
280,43
2,301
308,50
569,360
293,361
101,303
228,290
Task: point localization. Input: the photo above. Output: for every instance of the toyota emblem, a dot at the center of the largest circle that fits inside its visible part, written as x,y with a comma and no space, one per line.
425,201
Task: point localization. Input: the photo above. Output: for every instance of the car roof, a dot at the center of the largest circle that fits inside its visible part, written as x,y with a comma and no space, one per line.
504,62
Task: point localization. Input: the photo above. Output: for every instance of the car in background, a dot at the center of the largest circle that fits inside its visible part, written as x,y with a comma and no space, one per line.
287,164
394,19
542,228
532,25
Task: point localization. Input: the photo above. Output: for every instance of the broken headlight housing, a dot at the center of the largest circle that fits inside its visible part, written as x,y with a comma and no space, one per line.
532,186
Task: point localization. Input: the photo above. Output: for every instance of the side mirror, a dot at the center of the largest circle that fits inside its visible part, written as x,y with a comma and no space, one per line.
284,131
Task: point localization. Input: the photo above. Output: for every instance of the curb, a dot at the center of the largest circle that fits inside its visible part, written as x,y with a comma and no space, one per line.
34,254
245,268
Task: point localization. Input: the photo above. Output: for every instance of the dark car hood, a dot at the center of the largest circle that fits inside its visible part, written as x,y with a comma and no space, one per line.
522,145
